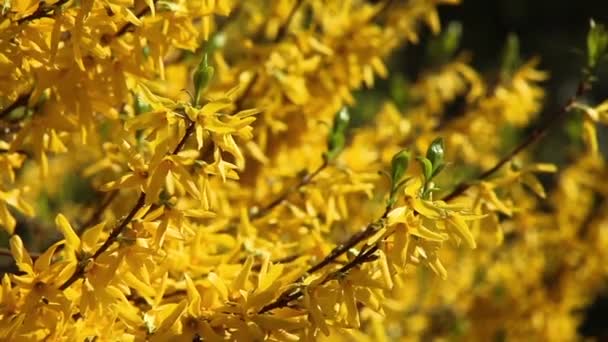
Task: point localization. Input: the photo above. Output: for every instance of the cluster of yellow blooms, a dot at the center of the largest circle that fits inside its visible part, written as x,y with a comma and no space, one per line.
233,201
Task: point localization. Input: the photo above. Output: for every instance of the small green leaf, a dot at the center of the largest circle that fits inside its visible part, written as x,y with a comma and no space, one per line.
442,48
437,170
217,41
399,165
427,168
399,91
6,7
451,38
597,44
337,137
435,154
141,106
202,77
511,59
146,51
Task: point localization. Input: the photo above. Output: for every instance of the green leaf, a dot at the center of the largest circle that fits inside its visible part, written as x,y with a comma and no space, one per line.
399,165
6,7
451,38
437,170
435,154
215,42
146,51
399,91
141,106
337,137
442,48
597,44
427,167
511,59
202,77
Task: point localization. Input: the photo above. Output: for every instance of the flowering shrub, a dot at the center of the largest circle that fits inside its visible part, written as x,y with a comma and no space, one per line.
229,195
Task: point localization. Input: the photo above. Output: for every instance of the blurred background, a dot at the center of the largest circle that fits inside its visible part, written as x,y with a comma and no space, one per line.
555,31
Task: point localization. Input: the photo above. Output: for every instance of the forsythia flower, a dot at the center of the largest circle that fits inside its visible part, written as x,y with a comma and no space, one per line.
203,187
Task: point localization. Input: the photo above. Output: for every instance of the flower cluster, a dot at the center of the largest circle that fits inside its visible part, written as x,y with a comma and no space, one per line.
229,196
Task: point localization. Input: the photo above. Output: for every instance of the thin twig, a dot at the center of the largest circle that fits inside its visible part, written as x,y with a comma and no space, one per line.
285,27
42,11
301,183
535,136
343,248
22,100
94,219
128,26
365,256
5,252
125,222
286,297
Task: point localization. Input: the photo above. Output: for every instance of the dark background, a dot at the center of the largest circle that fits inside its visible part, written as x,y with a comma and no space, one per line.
555,31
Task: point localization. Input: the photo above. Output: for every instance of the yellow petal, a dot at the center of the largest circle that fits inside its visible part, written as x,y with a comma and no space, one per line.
240,282
463,230
72,240
21,256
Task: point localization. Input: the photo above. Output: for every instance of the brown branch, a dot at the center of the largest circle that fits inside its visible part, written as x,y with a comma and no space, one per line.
301,183
385,6
123,224
366,255
350,243
535,136
286,297
22,100
42,11
94,219
6,252
282,33
130,26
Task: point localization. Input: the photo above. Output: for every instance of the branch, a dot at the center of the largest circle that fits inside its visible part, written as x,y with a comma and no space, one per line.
129,26
286,297
22,100
123,224
301,183
535,136
365,256
282,33
42,11
94,219
350,243
5,252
